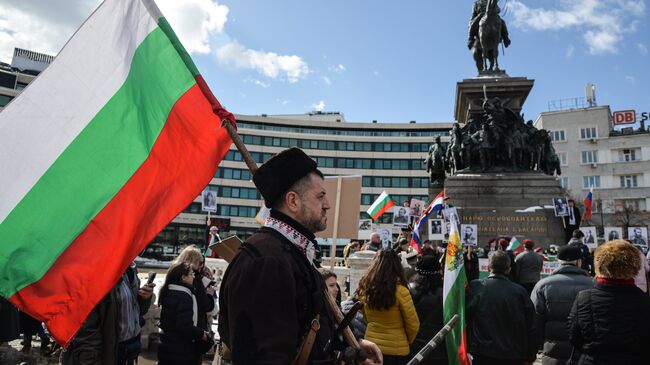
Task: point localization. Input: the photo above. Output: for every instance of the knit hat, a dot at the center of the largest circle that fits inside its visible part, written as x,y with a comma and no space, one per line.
569,253
428,266
281,171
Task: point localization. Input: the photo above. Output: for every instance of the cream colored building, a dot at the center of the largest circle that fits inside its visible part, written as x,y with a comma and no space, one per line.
615,161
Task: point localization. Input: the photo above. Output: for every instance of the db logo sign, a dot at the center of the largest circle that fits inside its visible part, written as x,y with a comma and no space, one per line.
624,117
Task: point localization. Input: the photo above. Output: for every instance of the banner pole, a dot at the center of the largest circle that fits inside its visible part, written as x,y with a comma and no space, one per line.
335,231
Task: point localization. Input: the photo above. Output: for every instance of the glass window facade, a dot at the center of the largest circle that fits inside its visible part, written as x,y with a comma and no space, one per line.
343,132
334,145
589,181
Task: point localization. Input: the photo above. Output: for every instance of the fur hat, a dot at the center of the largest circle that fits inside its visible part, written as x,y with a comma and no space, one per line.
428,266
281,171
569,253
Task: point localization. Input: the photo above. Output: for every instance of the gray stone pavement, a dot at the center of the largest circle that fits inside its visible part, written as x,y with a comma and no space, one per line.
10,354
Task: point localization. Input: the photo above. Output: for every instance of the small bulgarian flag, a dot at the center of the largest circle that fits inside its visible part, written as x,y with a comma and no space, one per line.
515,246
99,153
453,297
380,206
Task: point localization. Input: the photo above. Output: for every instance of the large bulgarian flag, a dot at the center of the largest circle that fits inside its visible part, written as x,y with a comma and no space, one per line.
97,155
453,297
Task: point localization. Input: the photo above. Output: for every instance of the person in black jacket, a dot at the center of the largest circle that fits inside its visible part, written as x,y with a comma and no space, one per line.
609,323
426,291
202,290
500,318
553,298
182,338
272,293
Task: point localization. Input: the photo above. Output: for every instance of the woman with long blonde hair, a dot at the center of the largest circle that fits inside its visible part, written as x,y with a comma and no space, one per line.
392,320
203,291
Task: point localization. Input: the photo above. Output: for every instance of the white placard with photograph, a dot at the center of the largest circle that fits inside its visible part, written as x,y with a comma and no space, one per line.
561,207
613,233
638,236
417,207
401,216
469,234
591,238
450,214
386,237
365,229
437,229
209,201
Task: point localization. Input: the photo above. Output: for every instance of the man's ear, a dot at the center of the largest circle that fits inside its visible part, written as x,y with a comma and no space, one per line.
292,201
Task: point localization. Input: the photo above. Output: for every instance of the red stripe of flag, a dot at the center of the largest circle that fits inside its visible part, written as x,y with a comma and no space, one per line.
182,161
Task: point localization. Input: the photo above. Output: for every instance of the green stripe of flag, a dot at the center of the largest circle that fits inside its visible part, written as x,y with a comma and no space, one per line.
167,29
379,205
94,167
455,304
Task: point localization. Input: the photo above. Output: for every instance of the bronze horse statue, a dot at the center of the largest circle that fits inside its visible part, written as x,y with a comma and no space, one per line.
489,33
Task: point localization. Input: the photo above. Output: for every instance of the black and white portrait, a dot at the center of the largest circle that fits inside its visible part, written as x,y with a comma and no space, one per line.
401,216
613,233
561,207
590,238
450,214
365,229
469,234
638,236
386,238
437,229
209,201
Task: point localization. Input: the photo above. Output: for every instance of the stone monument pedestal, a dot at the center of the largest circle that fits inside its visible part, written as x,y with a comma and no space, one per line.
470,94
508,204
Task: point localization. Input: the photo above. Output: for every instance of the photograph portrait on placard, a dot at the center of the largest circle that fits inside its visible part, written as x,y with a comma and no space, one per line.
386,237
450,214
590,239
417,207
561,207
365,229
401,216
469,234
209,201
638,236
437,229
613,233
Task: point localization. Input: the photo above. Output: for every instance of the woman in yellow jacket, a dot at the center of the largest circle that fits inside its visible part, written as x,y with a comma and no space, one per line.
392,320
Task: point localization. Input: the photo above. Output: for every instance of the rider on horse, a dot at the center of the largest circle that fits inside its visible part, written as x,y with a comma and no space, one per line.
479,9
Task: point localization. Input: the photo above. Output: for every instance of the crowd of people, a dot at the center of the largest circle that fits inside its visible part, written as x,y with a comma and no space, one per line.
277,306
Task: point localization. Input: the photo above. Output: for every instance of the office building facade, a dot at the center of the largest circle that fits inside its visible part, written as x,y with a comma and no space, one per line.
388,156
616,162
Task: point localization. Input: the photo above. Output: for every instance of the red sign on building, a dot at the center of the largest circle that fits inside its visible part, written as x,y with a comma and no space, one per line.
624,117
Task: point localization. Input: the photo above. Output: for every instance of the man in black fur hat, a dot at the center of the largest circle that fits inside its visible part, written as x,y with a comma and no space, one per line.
272,296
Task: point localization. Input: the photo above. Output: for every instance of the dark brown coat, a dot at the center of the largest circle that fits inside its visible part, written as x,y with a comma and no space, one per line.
268,297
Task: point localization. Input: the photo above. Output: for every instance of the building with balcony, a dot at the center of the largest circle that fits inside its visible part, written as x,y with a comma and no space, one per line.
616,162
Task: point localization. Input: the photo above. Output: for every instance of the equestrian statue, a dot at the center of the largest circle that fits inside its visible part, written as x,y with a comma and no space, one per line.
486,31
